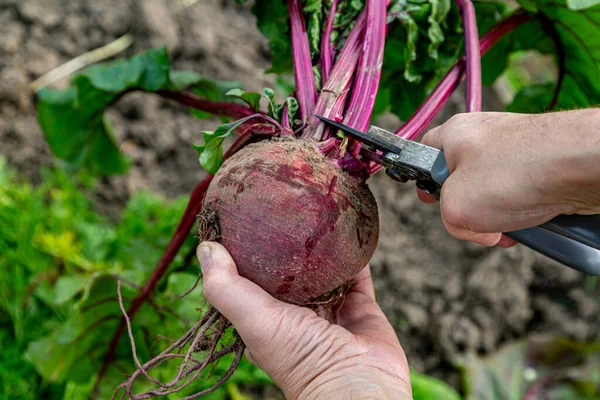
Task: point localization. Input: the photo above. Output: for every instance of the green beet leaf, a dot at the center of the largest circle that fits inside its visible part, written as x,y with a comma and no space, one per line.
211,152
428,388
250,98
540,367
272,20
566,29
72,119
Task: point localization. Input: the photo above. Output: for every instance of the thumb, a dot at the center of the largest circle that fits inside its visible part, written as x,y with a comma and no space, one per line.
434,138
241,301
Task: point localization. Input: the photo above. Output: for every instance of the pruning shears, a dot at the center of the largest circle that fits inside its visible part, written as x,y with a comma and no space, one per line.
573,240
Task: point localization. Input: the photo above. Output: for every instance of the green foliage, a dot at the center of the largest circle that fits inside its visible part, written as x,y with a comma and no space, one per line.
577,32
73,119
428,388
581,4
536,368
59,261
211,152
565,29
424,40
250,98
272,20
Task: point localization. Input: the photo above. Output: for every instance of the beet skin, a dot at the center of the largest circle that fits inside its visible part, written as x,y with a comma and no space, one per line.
294,223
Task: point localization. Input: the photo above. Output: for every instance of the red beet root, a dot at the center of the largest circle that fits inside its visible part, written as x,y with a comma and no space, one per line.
294,223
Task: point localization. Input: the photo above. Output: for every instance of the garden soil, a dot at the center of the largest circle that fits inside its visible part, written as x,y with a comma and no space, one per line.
443,296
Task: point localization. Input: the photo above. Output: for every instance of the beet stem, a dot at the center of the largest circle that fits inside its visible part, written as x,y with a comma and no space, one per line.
360,108
473,57
368,73
224,109
306,88
327,50
332,98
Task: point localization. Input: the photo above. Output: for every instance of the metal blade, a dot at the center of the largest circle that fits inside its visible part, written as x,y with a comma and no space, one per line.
376,137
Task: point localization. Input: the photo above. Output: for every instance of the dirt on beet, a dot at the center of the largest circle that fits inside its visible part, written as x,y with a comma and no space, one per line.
443,296
316,226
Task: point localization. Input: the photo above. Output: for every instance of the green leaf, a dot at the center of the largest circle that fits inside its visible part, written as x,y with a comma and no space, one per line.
72,119
424,40
412,34
428,388
211,152
251,98
184,79
148,70
211,155
270,96
540,367
532,99
580,58
582,4
292,108
272,20
439,11
581,84
313,11
68,287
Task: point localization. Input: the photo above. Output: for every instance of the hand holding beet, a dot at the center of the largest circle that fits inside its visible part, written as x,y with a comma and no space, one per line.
310,357
515,171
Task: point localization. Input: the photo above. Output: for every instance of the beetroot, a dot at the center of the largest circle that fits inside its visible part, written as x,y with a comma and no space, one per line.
294,223
293,208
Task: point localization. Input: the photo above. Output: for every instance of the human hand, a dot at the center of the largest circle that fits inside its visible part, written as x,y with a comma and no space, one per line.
514,171
357,356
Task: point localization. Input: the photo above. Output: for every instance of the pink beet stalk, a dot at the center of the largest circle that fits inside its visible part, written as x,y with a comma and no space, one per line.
306,88
361,104
364,91
473,56
332,99
326,45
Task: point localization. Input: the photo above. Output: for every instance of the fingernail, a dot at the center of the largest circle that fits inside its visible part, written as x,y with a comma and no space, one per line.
204,256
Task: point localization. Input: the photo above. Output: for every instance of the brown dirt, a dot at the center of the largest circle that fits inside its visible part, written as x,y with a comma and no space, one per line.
443,296
335,237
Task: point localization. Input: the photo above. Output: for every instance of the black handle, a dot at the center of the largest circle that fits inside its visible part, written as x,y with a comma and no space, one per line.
582,228
560,248
573,240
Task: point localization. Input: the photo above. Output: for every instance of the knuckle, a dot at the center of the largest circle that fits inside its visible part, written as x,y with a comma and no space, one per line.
458,120
453,208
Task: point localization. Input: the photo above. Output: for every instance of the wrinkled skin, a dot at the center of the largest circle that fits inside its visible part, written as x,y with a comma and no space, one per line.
355,356
294,223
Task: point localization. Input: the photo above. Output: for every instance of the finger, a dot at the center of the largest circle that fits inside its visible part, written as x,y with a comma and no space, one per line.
506,242
425,197
434,138
241,301
364,283
249,357
361,315
484,239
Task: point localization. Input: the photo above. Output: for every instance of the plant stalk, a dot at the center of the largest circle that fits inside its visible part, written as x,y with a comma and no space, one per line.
306,89
473,56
